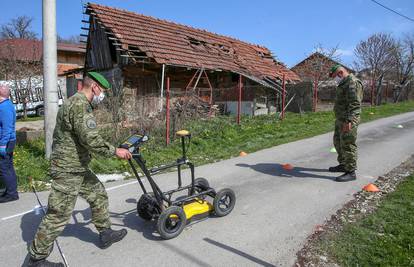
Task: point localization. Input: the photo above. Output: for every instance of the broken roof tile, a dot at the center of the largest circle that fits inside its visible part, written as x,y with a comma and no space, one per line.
182,45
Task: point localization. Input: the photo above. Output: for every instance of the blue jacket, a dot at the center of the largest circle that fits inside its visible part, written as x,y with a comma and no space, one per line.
7,122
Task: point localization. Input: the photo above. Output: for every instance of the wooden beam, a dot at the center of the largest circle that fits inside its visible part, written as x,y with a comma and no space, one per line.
130,56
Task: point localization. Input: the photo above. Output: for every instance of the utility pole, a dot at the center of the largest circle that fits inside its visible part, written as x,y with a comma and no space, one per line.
49,71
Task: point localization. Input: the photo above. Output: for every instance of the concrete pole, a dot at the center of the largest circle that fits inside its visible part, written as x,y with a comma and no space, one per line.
49,71
162,86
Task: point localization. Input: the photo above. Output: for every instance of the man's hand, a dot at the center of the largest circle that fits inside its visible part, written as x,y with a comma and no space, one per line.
346,127
3,151
123,153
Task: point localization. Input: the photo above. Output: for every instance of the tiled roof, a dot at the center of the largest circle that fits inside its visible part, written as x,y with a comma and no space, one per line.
21,49
81,48
175,44
316,63
64,68
31,50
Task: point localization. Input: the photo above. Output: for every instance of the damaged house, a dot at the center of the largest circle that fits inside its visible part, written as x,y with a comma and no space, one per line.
145,57
317,90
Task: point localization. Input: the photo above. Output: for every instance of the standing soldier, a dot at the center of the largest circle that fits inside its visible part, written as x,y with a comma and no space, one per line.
349,94
74,138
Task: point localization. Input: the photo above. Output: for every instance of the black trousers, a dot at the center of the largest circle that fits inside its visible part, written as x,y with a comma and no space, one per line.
7,173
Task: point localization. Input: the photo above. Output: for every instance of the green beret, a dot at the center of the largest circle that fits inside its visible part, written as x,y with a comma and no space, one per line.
99,78
334,68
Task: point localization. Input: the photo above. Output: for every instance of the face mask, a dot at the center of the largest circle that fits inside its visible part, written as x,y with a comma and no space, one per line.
98,98
338,79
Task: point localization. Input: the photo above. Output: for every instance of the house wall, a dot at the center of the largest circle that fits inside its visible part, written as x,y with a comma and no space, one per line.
67,57
139,94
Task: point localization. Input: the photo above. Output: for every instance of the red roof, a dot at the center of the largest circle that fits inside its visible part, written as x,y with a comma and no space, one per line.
175,44
80,48
316,64
31,50
63,68
21,49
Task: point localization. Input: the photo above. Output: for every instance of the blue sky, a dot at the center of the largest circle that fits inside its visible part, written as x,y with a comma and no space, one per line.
290,29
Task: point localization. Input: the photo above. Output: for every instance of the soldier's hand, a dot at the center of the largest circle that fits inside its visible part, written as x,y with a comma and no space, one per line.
346,127
123,153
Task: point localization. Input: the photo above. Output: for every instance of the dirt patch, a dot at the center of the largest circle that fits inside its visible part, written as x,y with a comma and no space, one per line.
364,203
34,125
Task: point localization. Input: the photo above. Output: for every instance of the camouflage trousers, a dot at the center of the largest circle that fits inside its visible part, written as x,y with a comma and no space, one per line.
65,189
345,145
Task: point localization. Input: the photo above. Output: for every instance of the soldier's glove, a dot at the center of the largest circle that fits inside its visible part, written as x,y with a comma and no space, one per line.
3,151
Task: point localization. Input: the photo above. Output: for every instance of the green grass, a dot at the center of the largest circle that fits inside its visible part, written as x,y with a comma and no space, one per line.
214,139
30,118
29,161
383,238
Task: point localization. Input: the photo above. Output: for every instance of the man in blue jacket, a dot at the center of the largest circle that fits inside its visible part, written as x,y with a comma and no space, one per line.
7,144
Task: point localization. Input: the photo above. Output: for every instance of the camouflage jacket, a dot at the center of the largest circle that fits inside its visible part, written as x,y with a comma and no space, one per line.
76,136
349,94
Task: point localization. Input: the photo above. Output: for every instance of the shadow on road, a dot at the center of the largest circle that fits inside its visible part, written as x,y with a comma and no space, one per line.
239,252
132,221
277,169
30,222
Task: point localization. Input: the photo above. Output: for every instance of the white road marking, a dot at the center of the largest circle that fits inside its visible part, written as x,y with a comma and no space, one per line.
119,186
34,209
16,215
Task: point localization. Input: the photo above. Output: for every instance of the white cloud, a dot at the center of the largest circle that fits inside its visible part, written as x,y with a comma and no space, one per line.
345,52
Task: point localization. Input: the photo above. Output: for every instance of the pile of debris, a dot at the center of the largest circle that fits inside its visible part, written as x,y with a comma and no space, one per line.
193,107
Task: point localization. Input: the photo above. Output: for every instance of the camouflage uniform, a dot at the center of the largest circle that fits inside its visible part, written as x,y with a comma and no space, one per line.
74,137
347,108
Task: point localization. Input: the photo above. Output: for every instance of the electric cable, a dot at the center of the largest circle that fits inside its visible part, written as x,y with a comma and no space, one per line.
392,10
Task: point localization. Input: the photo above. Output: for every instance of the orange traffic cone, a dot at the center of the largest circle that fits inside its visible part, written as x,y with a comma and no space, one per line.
242,154
287,167
371,188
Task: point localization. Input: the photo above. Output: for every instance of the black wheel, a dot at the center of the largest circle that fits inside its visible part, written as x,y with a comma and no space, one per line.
201,184
147,206
171,222
40,111
224,202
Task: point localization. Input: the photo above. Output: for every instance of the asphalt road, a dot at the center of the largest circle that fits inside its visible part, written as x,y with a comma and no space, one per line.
275,211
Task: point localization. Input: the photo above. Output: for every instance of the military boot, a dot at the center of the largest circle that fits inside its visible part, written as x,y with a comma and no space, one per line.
339,168
43,263
346,177
109,236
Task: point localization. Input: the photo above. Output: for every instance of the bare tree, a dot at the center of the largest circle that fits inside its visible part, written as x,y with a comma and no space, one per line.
376,55
73,39
404,66
19,27
22,74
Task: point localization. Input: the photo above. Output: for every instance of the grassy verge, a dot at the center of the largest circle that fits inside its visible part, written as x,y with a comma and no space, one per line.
383,238
30,118
214,139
